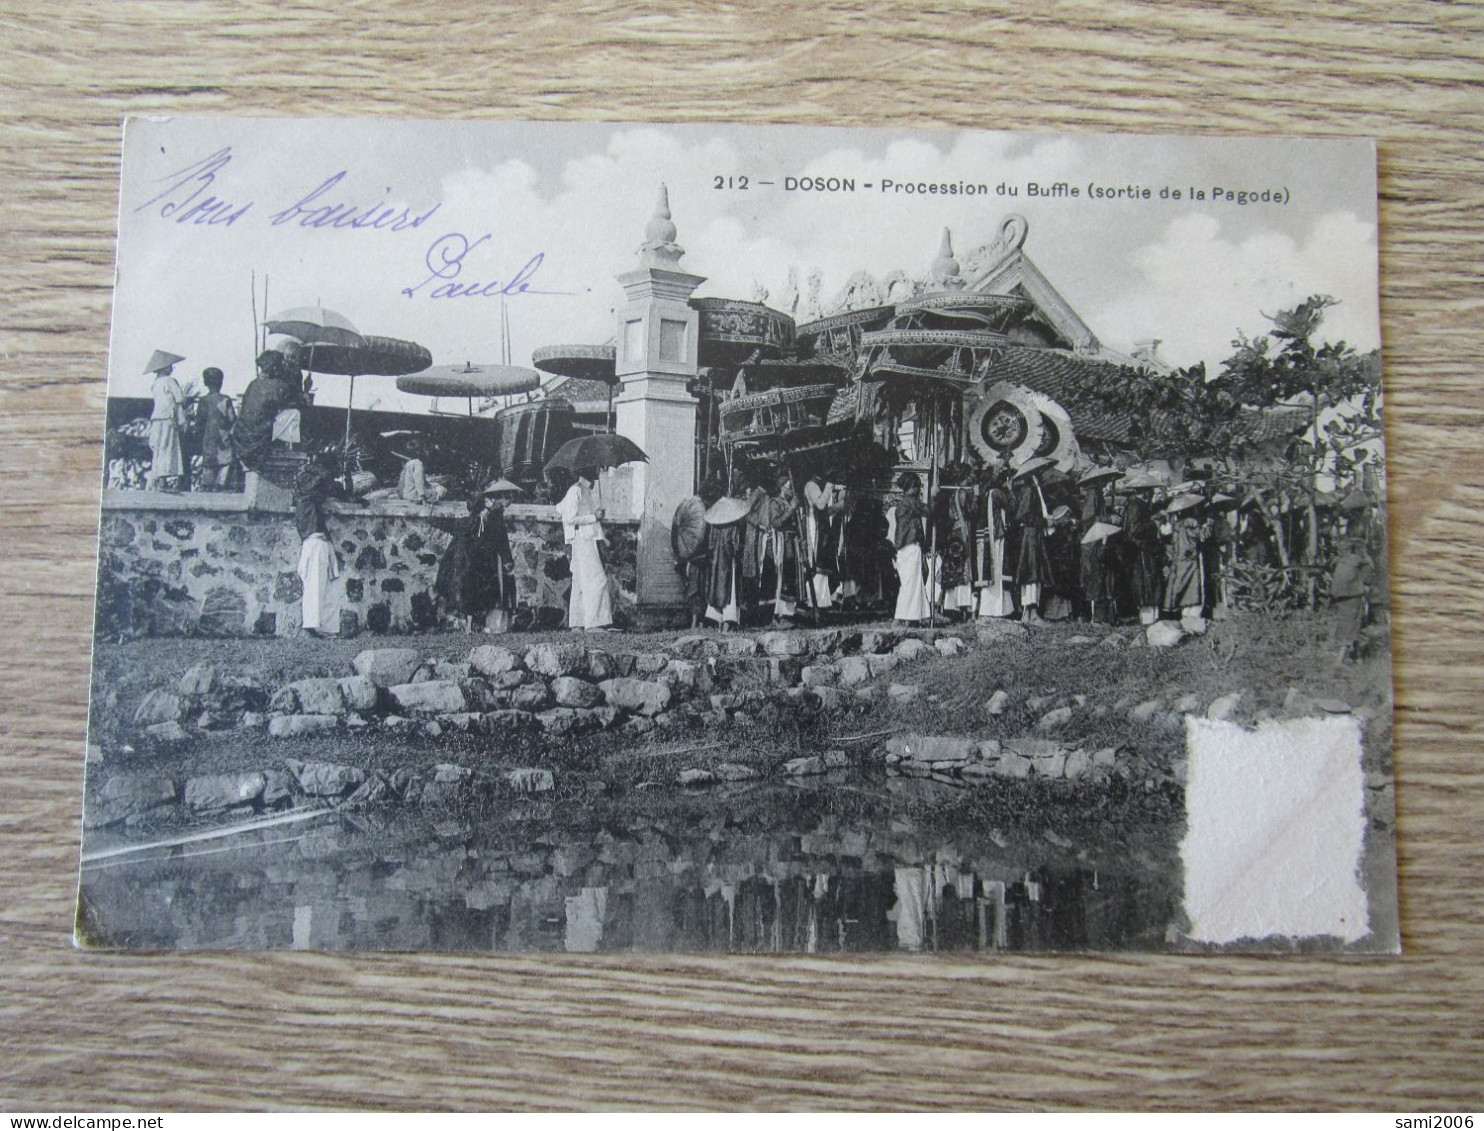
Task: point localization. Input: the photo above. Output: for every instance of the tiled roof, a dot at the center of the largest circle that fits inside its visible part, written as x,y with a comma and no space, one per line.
578,389
1067,379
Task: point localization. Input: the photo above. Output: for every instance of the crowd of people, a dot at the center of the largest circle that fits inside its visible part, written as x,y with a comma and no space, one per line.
1102,546
1031,541
775,547
202,441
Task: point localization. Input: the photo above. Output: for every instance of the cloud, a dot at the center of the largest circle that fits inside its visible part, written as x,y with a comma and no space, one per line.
1194,287
580,196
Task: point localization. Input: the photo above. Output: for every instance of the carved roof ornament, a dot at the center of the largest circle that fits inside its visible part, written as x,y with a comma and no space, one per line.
659,248
945,267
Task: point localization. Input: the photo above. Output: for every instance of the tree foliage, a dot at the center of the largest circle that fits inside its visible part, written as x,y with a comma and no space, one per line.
1189,413
1341,388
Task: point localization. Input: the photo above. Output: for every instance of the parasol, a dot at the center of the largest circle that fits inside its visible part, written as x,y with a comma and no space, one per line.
315,326
372,356
470,380
581,363
601,450
688,532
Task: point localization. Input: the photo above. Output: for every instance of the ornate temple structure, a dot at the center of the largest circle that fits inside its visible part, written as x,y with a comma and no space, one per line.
980,366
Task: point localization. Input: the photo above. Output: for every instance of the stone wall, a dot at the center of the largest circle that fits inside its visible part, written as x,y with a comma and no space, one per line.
211,566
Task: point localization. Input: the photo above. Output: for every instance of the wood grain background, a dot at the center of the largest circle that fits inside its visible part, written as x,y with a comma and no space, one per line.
82,1031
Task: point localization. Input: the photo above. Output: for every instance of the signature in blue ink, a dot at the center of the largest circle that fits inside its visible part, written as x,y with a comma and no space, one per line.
182,197
312,212
444,261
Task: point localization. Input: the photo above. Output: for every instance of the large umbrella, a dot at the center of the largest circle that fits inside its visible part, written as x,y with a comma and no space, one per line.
373,357
601,450
470,380
582,363
314,325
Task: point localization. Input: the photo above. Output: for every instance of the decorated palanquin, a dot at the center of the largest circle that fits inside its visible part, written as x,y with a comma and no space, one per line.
785,418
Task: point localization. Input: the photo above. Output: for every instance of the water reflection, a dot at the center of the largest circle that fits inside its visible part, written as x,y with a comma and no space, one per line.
771,875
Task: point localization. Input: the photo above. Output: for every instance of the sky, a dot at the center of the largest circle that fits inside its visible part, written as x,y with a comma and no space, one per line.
211,209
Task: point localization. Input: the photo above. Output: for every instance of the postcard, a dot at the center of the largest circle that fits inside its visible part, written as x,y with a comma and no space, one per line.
576,537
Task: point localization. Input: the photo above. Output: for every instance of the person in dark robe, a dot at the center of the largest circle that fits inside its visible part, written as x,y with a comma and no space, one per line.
1350,587
274,389
726,517
1060,495
691,545
476,576
787,586
1185,570
993,549
218,416
1142,554
824,504
868,557
1031,517
954,513
757,533
1094,578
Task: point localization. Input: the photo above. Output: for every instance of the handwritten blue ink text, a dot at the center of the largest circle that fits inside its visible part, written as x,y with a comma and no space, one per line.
182,195
444,261
330,213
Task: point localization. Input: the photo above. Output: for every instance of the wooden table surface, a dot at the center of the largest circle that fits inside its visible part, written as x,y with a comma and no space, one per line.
87,1031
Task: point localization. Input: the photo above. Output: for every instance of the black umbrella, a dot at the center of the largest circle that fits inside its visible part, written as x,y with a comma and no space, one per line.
600,450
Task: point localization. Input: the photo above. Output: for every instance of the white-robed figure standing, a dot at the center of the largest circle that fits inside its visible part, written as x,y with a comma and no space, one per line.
166,421
582,525
905,530
318,567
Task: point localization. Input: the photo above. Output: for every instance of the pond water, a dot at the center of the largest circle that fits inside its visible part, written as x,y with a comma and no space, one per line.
762,868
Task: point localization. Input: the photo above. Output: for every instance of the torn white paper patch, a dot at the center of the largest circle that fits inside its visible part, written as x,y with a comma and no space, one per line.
1275,830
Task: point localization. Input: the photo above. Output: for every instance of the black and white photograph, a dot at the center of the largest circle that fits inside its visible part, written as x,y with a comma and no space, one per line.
605,538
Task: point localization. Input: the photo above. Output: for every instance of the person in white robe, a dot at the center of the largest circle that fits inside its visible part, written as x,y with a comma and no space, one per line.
590,606
995,598
318,568
905,529
166,420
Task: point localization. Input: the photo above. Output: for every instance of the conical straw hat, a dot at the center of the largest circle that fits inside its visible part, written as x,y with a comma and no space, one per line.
160,359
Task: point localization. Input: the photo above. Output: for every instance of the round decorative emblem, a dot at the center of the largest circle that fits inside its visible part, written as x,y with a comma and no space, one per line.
1051,439
1003,426
1059,440
1006,422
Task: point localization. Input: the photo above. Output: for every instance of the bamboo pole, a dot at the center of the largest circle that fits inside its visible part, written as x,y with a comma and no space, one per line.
256,332
932,494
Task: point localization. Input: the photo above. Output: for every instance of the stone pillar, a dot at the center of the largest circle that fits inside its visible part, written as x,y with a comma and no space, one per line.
656,358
